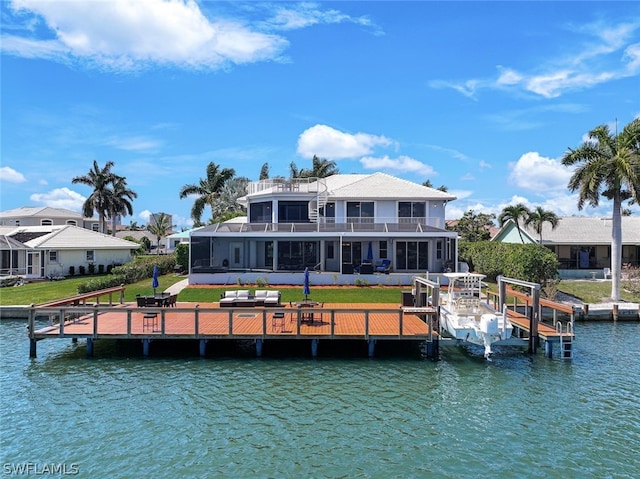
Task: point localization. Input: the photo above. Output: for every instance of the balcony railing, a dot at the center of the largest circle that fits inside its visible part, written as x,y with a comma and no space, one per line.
353,225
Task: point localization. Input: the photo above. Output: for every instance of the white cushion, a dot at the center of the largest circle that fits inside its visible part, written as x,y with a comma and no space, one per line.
261,294
273,294
243,293
230,294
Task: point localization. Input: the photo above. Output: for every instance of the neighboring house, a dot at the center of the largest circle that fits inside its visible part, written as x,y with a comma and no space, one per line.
44,251
335,224
46,216
582,244
173,240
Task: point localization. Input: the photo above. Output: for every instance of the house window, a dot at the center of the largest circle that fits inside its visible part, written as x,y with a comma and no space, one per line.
260,212
329,212
90,256
72,222
330,250
94,227
411,211
412,255
360,211
293,212
46,222
439,249
382,250
53,256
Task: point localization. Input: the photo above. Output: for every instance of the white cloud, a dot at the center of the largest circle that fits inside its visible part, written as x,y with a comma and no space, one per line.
145,215
134,144
10,175
60,198
401,164
604,54
327,142
538,174
305,14
125,35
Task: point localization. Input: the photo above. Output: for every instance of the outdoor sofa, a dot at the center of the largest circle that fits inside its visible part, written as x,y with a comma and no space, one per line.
243,298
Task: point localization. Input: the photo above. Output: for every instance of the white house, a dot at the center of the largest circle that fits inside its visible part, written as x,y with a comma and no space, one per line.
582,244
342,224
42,251
46,216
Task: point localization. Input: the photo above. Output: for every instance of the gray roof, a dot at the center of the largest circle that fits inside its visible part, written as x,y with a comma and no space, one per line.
71,237
581,230
381,186
40,212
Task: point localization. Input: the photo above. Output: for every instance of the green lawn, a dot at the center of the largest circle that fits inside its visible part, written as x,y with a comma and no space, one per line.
40,292
44,291
595,291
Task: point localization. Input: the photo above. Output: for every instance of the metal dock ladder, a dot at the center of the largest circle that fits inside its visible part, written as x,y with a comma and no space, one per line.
566,340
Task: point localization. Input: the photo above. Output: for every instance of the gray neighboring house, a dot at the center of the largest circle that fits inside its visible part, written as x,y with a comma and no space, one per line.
37,252
582,244
46,216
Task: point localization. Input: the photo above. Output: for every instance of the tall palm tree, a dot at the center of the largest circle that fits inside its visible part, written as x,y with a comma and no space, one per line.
608,165
207,190
516,213
538,217
264,172
99,201
227,204
121,197
159,226
320,168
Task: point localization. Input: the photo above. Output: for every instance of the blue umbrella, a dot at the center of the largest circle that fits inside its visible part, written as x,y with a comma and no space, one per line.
305,289
154,282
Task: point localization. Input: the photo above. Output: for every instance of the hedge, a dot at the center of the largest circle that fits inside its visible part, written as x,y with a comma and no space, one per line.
132,272
527,262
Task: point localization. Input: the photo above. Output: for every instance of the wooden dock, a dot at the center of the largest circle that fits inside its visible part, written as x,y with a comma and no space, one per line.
206,322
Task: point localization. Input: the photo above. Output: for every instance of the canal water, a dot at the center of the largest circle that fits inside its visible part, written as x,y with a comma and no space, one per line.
119,415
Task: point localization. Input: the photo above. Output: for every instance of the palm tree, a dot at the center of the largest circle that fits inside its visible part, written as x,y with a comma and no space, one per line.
264,172
321,168
159,226
538,217
121,197
515,213
428,184
208,190
608,165
227,204
100,199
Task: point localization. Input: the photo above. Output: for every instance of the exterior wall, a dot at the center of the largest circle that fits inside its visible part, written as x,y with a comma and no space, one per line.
77,258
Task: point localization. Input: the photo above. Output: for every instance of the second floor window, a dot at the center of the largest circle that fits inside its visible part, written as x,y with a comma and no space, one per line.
360,211
260,212
411,210
46,222
293,212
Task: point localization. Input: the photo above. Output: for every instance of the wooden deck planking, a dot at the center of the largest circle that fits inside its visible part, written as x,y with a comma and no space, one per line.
544,330
214,321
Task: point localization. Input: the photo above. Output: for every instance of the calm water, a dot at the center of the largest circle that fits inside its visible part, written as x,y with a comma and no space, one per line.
120,416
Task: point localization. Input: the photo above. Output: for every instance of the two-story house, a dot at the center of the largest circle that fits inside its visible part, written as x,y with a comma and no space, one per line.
342,224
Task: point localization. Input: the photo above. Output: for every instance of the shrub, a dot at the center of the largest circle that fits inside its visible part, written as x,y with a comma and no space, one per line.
82,270
132,272
100,269
72,270
92,268
182,256
527,262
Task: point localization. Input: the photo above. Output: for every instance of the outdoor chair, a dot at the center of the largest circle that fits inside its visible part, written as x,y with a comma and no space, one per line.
384,266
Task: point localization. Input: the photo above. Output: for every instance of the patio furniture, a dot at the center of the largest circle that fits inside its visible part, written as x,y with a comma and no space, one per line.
384,266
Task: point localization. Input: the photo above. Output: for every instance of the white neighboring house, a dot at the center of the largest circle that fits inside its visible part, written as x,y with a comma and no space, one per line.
46,216
49,251
173,240
343,224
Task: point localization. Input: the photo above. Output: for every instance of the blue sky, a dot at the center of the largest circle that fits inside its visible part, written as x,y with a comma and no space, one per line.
483,97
